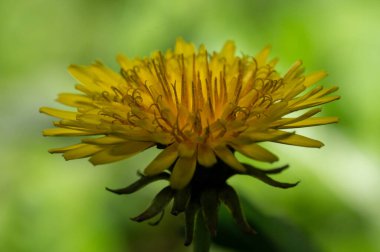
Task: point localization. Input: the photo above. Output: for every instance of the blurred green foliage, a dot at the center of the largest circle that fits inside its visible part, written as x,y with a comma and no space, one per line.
48,204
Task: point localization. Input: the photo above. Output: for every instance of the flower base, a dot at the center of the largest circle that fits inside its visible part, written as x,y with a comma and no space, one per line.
203,195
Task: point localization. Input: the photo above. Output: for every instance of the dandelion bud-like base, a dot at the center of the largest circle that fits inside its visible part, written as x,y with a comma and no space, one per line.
203,195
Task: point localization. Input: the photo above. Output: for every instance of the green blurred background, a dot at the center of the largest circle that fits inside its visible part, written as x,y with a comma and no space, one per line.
48,204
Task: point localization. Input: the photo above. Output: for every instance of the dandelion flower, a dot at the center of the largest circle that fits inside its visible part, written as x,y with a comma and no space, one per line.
199,108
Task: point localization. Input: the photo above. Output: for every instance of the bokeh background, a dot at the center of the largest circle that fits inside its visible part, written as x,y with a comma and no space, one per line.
48,204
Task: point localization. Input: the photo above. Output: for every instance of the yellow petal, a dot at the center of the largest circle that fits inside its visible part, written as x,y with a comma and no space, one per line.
68,115
97,77
295,70
228,51
108,77
104,140
124,62
74,100
294,92
105,156
276,111
314,78
119,152
142,135
84,75
301,141
247,98
163,161
262,56
305,96
256,152
66,132
80,125
85,150
130,148
186,149
228,158
206,155
314,102
67,148
182,47
311,122
90,119
183,172
83,89
325,91
286,121
260,136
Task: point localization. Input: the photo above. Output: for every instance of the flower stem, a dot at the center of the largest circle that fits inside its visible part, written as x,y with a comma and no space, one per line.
202,239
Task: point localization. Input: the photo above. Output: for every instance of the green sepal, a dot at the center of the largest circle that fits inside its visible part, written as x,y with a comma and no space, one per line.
190,214
157,206
210,205
230,198
262,175
181,199
139,184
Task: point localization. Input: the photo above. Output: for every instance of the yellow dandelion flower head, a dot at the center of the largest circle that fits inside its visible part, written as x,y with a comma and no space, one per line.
198,107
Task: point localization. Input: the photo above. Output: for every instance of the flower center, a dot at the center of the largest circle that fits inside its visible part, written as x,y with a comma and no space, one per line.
192,99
